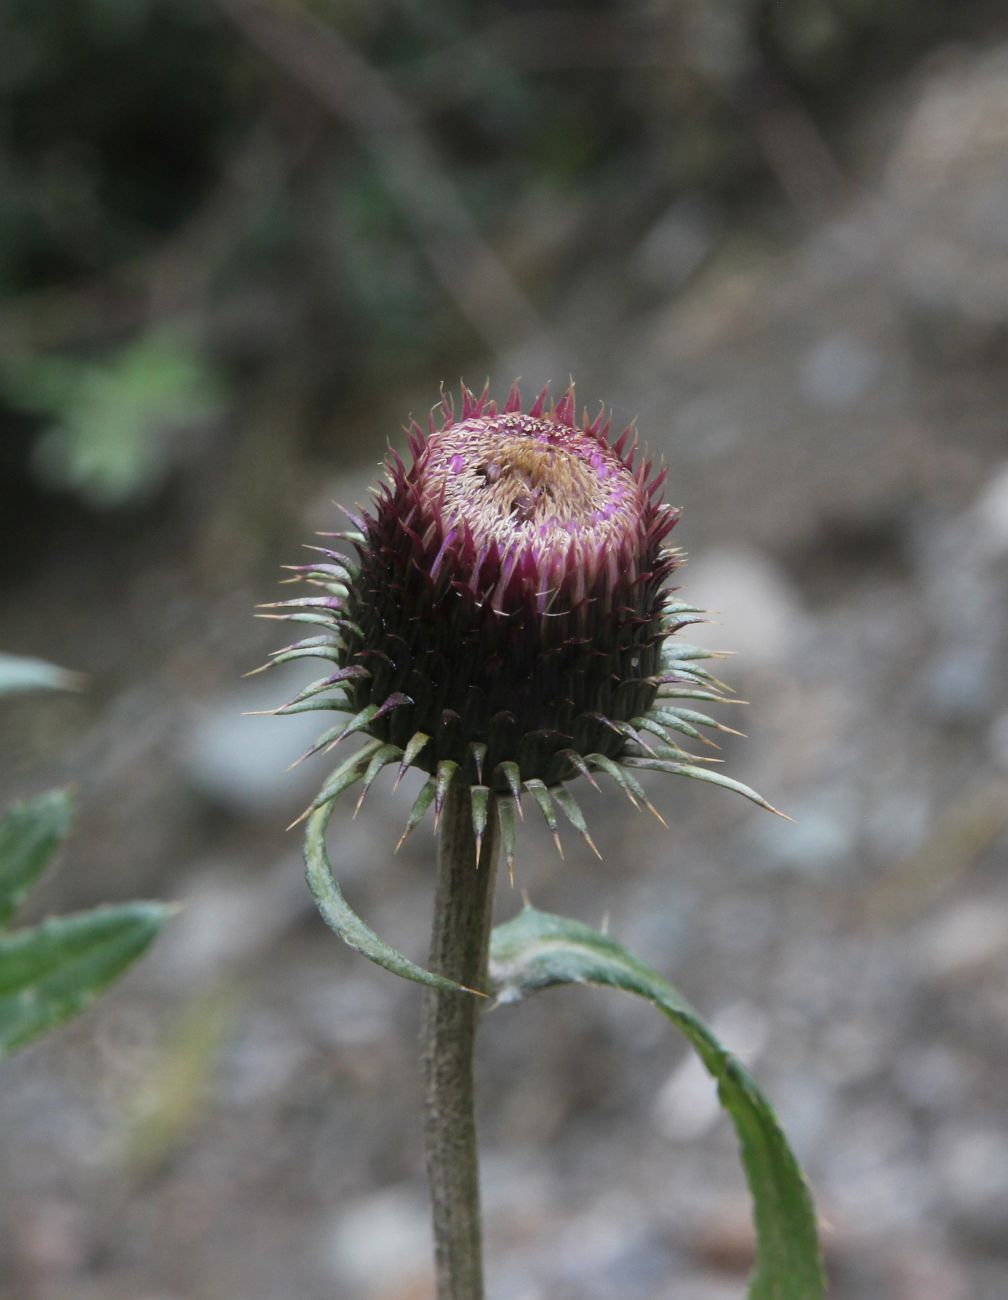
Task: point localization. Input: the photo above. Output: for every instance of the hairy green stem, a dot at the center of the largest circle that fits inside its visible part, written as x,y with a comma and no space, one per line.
459,943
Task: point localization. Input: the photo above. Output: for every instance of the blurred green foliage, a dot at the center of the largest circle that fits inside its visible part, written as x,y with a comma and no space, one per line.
113,424
54,970
22,675
162,163
116,118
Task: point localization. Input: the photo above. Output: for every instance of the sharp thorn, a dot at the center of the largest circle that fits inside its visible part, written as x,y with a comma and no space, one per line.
303,817
654,811
298,761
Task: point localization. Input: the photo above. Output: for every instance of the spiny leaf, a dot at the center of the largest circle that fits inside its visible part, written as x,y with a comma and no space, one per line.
382,756
330,737
578,762
330,704
446,770
319,620
649,723
479,796
346,535
317,569
630,732
29,834
479,752
320,581
536,950
337,559
703,774
357,723
420,805
682,650
299,602
681,671
340,779
343,920
307,643
613,769
628,782
698,719
672,691
669,719
542,796
684,616
506,817
327,651
49,973
574,814
20,674
326,683
511,773
675,607
418,742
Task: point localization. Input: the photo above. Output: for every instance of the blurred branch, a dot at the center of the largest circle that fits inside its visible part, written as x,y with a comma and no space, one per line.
792,146
170,279
391,132
543,42
798,156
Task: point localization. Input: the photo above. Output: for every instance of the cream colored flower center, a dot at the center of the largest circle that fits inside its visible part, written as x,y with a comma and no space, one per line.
523,481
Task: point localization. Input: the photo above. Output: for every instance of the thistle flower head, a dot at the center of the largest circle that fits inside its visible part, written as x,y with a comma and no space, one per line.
505,619
554,497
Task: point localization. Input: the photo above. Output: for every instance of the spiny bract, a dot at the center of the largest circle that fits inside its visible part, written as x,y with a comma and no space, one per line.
506,619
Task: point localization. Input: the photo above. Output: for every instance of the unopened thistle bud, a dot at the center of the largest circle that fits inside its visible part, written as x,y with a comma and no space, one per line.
506,619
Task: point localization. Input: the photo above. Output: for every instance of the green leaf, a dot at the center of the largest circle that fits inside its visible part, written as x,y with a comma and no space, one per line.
340,917
675,768
29,834
535,950
20,674
52,972
113,422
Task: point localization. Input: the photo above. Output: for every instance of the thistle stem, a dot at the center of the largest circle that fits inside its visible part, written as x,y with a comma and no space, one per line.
459,943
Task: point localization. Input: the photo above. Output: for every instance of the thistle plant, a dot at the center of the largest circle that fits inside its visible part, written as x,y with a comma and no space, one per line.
502,619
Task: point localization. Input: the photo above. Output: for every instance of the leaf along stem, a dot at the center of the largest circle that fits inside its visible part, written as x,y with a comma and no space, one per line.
459,945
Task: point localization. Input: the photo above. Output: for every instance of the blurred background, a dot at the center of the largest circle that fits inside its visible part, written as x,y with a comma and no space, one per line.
240,242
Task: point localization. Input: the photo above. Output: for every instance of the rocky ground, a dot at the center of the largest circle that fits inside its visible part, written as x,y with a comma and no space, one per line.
238,1120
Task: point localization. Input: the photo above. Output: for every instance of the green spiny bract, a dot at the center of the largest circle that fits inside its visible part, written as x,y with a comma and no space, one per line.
506,619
